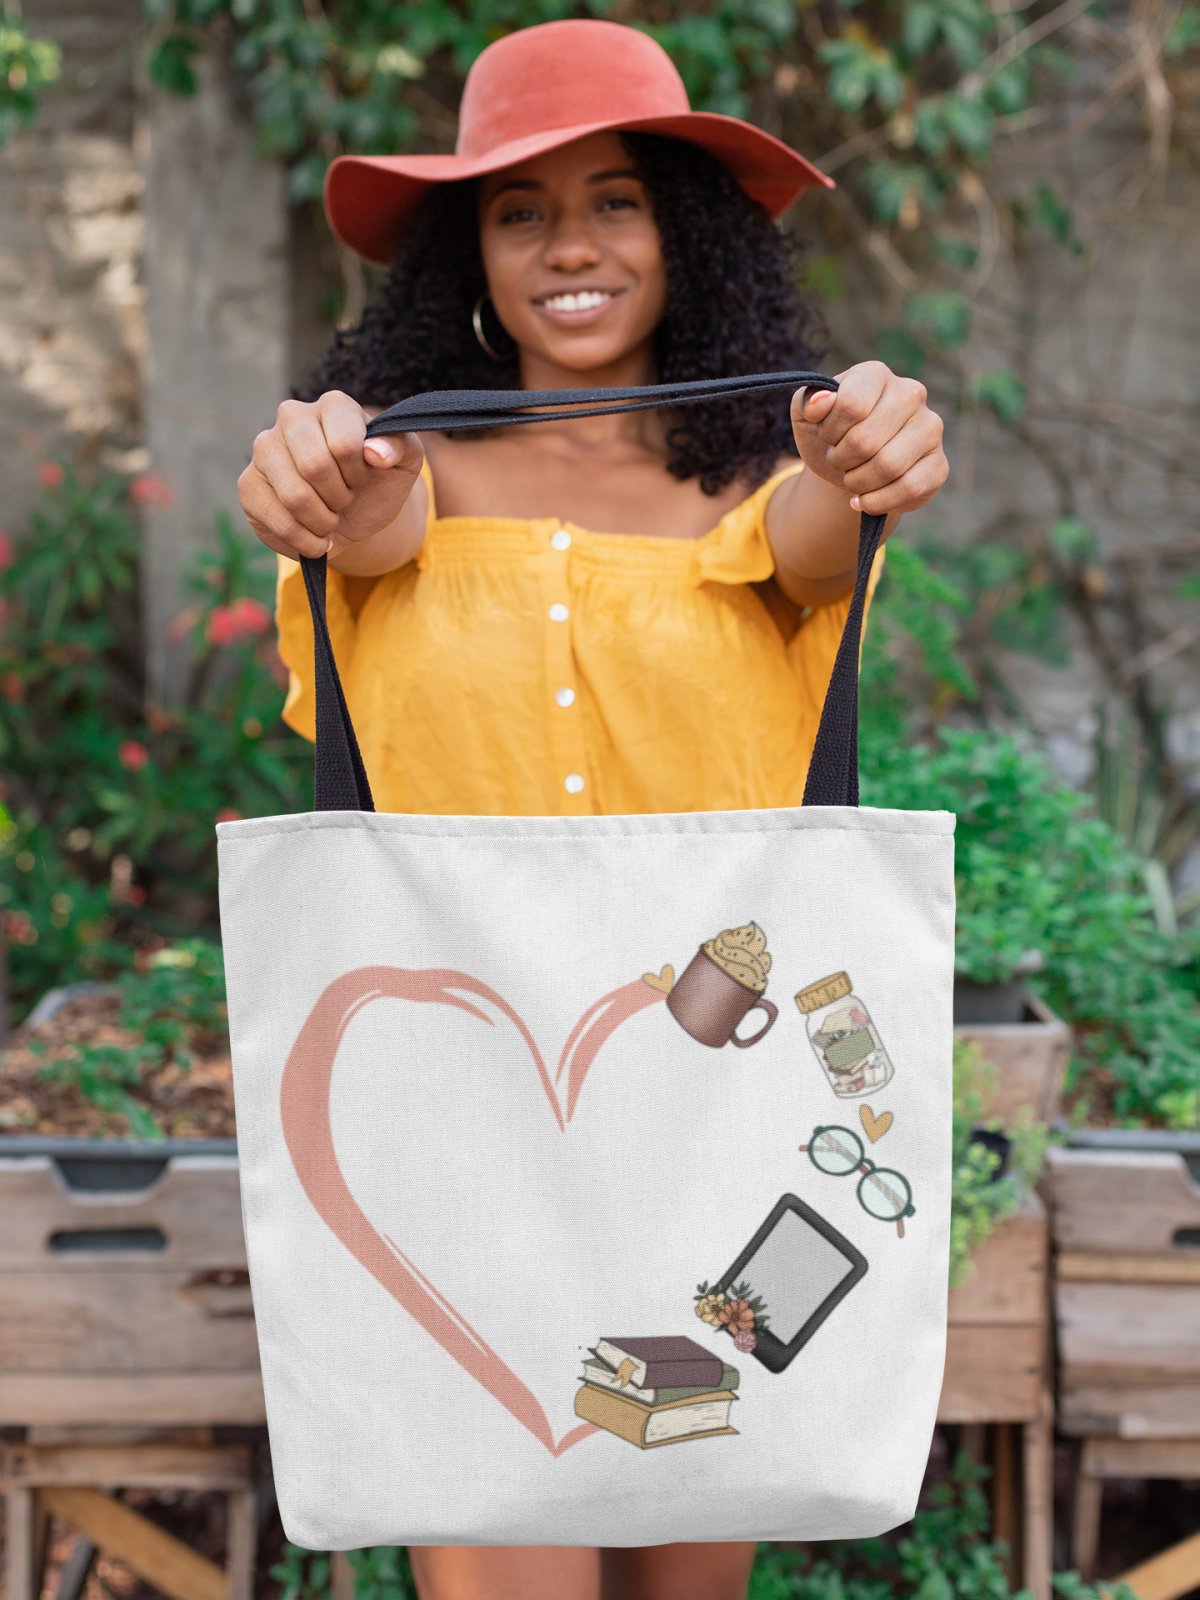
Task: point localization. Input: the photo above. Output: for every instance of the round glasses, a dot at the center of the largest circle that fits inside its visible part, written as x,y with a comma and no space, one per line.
882,1193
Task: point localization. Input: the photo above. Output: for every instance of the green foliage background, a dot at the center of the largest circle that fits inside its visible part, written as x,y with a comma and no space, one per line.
915,106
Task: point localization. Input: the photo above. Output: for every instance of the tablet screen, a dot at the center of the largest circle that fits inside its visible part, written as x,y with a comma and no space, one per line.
795,1269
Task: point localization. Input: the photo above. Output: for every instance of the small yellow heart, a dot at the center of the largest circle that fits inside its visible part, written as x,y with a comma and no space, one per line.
660,980
874,1126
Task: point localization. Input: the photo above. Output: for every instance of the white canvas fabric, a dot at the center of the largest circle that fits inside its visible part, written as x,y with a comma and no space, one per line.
542,1201
518,1098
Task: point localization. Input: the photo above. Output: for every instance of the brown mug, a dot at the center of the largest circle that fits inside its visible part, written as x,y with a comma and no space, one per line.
707,1003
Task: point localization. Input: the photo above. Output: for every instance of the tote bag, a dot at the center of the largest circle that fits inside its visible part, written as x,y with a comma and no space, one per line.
595,1170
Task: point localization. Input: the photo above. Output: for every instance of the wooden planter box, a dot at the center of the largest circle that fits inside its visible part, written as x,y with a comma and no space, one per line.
998,1374
1127,1291
1126,1223
124,1292
996,1346
1029,1059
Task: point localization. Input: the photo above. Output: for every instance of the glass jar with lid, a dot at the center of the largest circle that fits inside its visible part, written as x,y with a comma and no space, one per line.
845,1039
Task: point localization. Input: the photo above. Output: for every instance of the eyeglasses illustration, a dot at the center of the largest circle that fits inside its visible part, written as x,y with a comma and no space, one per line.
882,1193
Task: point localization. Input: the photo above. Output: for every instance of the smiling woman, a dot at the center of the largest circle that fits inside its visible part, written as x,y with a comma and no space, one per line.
553,230
680,232
618,613
684,560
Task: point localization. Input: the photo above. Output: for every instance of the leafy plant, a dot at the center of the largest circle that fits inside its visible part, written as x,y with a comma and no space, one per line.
172,998
109,798
58,923
381,1572
980,1200
1138,796
1011,817
27,67
303,1574
1033,869
945,1553
914,667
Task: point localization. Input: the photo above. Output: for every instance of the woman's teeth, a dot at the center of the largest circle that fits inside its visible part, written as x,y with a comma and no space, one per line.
576,302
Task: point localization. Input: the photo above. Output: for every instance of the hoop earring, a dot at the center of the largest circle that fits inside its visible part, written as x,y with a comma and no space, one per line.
477,323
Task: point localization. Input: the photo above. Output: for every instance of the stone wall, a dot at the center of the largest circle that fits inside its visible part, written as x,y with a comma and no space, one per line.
71,242
145,272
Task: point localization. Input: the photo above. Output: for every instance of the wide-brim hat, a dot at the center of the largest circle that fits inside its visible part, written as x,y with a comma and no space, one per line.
541,87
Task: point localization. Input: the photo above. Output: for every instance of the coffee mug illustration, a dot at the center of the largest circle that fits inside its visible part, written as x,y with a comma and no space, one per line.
722,983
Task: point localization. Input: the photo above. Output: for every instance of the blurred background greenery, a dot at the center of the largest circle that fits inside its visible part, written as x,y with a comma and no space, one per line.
959,173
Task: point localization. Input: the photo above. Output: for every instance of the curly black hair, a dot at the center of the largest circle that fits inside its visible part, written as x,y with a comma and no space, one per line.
733,306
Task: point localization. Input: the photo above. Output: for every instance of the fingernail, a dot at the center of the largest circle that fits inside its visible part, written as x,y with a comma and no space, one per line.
856,502
381,449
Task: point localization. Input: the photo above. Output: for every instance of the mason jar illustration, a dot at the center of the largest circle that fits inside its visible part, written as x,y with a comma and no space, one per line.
845,1039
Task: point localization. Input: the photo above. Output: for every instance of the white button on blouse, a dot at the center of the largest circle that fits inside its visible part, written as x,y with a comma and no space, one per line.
573,783
560,540
558,612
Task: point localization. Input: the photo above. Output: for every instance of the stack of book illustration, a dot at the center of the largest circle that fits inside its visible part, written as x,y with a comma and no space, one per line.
657,1390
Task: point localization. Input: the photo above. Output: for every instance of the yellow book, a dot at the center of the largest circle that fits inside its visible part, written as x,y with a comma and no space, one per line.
695,1417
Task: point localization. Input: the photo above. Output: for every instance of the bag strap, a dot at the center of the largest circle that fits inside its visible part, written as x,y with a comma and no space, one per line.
340,776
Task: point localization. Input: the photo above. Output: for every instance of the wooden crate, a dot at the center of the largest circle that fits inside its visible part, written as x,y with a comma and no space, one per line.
998,1377
1126,1225
996,1346
127,1304
1029,1060
62,1478
1127,1293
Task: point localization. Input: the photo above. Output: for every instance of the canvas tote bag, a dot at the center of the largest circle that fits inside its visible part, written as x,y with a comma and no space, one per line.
595,1170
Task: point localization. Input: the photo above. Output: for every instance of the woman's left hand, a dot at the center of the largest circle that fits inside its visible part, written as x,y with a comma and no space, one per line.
876,438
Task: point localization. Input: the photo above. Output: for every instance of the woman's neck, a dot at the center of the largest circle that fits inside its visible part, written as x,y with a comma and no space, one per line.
593,436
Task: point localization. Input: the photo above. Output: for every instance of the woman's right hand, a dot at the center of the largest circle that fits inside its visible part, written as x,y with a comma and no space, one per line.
316,485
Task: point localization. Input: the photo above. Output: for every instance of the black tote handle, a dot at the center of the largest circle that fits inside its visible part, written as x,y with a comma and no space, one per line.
340,776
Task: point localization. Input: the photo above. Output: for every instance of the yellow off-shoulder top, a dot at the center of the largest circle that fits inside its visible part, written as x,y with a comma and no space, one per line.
520,666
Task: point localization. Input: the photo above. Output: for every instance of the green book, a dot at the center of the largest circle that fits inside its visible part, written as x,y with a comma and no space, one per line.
602,1375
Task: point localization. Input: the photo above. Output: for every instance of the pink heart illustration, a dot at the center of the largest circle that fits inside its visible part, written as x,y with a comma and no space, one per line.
304,1111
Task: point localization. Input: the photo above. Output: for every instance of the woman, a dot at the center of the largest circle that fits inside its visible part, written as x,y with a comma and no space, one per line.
613,613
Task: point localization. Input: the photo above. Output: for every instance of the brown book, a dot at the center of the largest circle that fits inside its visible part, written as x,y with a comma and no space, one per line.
701,1417
663,1361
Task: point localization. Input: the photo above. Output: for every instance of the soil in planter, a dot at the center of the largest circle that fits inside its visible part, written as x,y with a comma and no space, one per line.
193,1102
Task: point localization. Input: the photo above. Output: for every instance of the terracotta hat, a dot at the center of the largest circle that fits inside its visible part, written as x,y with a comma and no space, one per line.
541,87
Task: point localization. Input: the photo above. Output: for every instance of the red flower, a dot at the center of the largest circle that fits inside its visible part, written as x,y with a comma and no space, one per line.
222,625
51,474
252,615
7,550
151,489
135,895
132,755
244,618
12,687
746,1340
19,928
228,814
